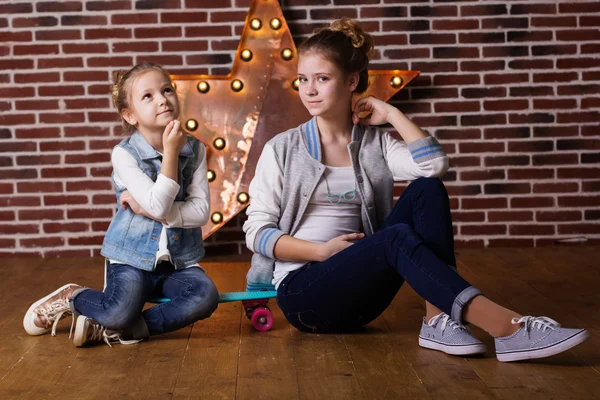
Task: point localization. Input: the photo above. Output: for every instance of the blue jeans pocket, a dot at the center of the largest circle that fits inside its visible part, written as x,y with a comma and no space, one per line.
309,321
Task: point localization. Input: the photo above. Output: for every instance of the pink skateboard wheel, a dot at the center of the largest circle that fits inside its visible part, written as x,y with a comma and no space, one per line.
262,319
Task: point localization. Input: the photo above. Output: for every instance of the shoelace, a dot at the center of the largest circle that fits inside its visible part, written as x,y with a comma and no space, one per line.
100,333
540,323
55,312
446,322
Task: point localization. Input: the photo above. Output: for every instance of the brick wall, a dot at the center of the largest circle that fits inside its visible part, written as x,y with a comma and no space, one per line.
511,89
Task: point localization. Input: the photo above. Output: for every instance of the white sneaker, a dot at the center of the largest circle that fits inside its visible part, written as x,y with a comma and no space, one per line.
444,334
537,337
87,331
44,314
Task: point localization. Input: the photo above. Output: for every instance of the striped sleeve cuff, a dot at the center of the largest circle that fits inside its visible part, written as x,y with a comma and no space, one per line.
264,242
425,149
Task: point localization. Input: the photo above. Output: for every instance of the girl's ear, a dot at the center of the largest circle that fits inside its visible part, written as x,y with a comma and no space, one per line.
353,79
128,116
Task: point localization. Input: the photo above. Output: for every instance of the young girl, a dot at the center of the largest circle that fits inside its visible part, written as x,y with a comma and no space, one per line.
154,242
323,227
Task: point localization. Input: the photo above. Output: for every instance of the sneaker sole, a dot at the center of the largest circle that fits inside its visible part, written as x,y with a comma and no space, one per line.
80,334
30,327
456,350
573,341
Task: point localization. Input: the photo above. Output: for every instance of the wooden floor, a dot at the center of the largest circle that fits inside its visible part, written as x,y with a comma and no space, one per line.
224,358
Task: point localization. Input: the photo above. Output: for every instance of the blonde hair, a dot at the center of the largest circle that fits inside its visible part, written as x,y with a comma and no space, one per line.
121,88
347,45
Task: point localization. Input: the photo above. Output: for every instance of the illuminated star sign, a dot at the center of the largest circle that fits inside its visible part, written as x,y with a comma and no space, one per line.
236,114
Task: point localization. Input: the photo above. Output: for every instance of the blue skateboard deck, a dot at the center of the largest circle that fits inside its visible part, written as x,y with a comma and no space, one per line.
236,296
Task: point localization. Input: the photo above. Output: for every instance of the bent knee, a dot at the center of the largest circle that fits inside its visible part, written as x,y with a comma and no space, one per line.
203,298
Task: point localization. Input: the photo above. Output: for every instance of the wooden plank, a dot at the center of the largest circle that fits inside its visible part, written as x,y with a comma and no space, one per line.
381,367
534,378
209,368
443,376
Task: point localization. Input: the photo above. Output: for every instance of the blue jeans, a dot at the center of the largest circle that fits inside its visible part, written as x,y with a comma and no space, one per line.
354,286
193,296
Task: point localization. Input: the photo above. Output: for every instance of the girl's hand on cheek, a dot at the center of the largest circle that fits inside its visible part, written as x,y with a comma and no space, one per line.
377,109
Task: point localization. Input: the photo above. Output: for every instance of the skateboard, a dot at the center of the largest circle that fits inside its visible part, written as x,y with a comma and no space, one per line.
254,303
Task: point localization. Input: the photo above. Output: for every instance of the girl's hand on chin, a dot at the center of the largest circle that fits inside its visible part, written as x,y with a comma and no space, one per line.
376,109
173,137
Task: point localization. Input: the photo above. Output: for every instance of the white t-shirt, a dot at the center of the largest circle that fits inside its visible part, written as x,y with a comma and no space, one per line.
324,220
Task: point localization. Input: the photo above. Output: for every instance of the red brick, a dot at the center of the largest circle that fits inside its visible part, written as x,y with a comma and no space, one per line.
507,188
506,160
77,48
86,241
553,131
15,63
40,77
578,35
35,49
207,31
110,33
483,229
590,102
459,106
10,229
6,188
550,104
37,133
70,20
577,63
531,230
501,105
168,60
407,53
457,134
70,62
34,22
579,201
188,45
511,242
106,5
20,201
62,118
39,187
535,8
6,215
585,228
561,21
147,33
16,119
7,243
88,158
548,216
37,105
476,66
507,133
110,61
54,200
590,48
43,159
455,24
479,37
483,175
555,77
504,216
59,6
458,80
483,203
87,103
65,172
555,159
88,185
592,215
85,76
531,202
12,36
56,227
531,64
530,173
589,116
87,214
466,216
433,38
563,187
13,92
465,161
531,146
379,12
16,8
65,34
483,119
462,244
103,116
77,131
102,172
133,47
434,121
578,173
42,242
504,23
481,147
103,199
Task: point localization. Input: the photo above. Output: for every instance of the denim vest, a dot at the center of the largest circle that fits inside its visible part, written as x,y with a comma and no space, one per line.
132,238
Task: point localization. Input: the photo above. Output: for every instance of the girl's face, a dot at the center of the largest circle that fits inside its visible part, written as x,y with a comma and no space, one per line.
325,90
153,102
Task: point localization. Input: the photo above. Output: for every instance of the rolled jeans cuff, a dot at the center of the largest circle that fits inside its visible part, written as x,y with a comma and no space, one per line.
462,300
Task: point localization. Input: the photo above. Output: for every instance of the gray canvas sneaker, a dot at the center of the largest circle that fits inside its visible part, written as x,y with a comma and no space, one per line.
87,331
536,338
444,334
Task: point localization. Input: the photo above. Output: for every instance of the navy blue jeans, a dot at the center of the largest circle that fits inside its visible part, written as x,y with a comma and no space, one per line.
193,296
354,286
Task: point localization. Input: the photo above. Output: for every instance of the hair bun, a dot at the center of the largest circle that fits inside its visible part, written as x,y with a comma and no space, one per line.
355,33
